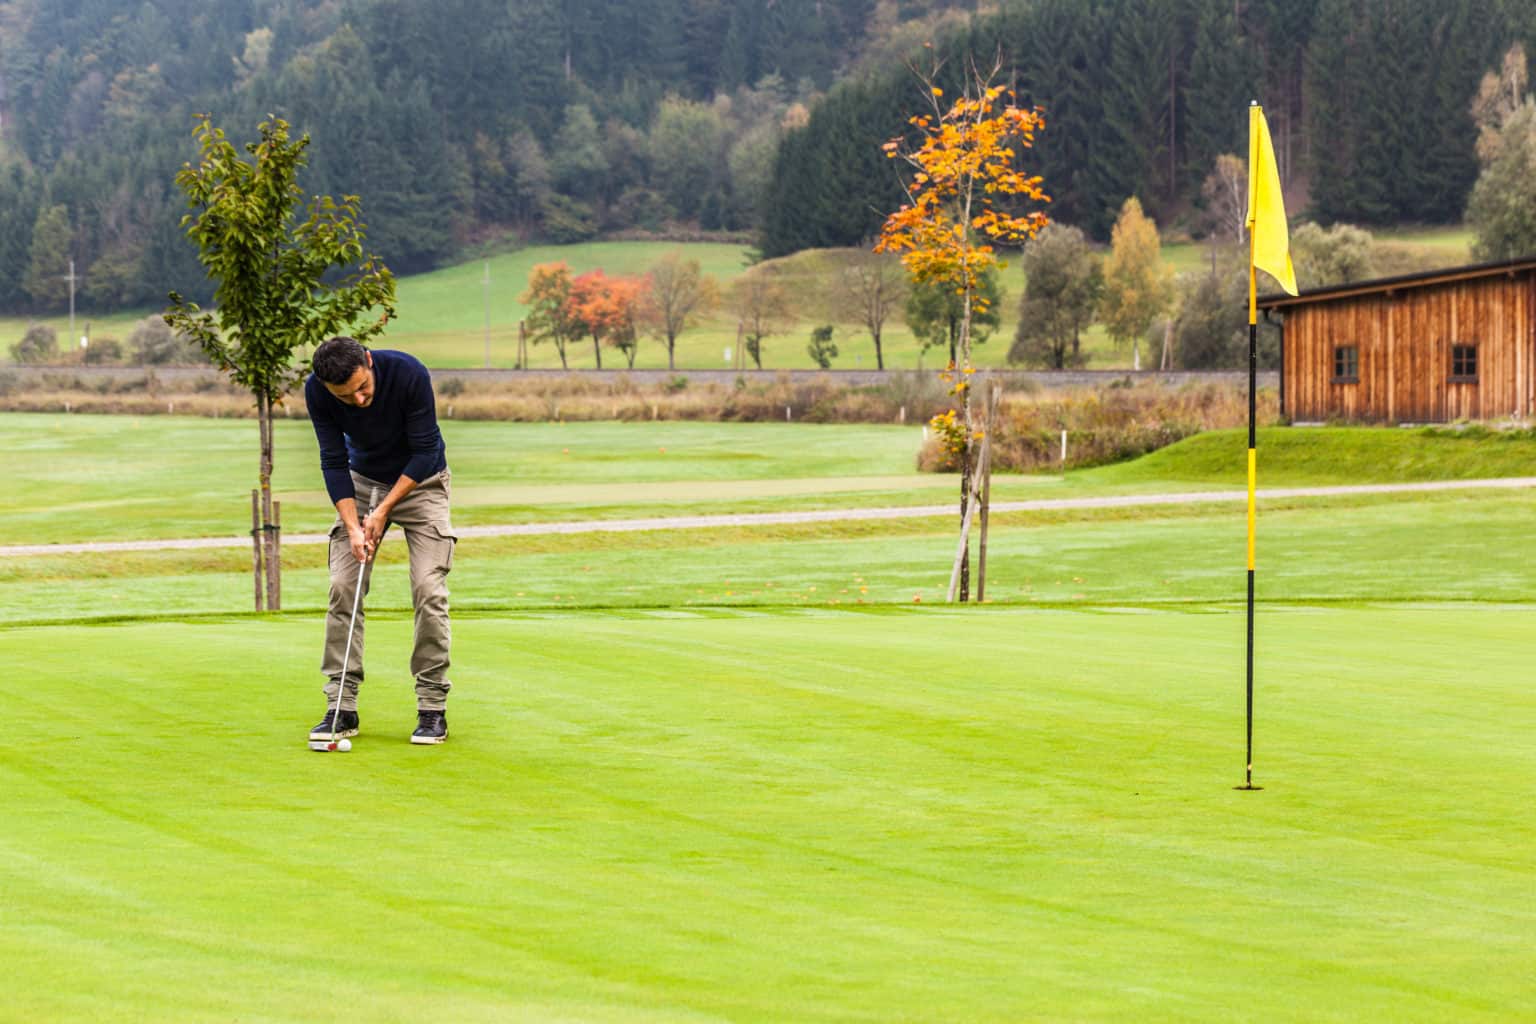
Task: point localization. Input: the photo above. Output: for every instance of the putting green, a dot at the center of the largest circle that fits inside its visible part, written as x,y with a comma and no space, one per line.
769,815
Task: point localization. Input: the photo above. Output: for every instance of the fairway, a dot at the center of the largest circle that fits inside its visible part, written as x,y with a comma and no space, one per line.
756,773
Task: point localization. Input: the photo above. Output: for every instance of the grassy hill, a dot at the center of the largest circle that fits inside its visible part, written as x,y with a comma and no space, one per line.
1302,456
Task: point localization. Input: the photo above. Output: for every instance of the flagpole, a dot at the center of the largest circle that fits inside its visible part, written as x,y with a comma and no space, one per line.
1253,461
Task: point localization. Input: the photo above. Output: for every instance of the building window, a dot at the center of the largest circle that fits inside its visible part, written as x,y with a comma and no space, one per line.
1346,364
1464,362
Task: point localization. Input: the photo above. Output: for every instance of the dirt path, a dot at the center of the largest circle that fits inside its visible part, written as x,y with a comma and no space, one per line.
814,516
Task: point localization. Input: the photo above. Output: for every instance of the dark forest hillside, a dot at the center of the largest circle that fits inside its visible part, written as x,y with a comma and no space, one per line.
467,120
1369,101
454,120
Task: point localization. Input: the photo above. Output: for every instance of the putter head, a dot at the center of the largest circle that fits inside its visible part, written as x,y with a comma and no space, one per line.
322,746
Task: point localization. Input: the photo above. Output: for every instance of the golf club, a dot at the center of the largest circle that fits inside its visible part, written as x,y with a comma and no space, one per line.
333,744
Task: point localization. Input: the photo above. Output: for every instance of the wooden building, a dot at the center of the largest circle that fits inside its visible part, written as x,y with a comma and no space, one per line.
1454,344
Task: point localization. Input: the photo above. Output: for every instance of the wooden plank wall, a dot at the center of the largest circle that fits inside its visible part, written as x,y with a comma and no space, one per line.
1404,339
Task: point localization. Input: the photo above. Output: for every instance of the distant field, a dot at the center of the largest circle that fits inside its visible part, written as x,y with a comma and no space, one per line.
442,314
1456,241
446,316
111,325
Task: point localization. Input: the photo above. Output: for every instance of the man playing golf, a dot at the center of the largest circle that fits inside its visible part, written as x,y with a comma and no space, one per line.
384,462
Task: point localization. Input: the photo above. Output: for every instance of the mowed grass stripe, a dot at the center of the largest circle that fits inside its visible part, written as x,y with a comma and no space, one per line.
912,814
84,478
1447,547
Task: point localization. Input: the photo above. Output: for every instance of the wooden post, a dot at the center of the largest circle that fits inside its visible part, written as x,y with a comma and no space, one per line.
972,485
269,546
256,543
277,552
994,400
970,462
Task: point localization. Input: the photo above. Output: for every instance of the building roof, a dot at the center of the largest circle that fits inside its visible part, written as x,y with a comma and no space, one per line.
1380,285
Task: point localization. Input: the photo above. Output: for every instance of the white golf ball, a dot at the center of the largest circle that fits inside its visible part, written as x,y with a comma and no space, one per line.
343,745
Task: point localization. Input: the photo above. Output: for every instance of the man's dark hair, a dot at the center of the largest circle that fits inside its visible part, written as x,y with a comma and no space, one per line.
337,359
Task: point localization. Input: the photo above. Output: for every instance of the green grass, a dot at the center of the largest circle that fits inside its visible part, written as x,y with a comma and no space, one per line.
1458,546
804,815
1456,242
110,325
1337,455
123,478
79,478
692,777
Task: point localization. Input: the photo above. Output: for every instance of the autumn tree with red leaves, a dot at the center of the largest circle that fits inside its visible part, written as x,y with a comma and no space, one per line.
606,308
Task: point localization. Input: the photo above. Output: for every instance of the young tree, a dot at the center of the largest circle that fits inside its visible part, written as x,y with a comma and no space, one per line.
763,308
822,349
547,298
876,288
965,182
1502,208
628,293
1226,199
1062,282
676,296
605,308
276,294
1499,96
934,311
1137,286
1212,325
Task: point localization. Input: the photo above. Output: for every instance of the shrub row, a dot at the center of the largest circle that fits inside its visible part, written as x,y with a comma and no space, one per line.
1103,425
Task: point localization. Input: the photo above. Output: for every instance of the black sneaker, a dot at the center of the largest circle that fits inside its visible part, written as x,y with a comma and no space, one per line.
344,726
431,727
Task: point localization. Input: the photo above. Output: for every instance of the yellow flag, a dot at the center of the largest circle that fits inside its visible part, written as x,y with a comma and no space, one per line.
1271,243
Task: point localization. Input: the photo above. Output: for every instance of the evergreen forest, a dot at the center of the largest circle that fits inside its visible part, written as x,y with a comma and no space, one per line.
465,123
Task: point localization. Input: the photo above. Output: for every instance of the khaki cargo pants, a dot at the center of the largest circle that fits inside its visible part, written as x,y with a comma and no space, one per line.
423,516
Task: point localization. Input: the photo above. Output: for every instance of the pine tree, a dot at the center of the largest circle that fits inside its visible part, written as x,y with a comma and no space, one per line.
1054,45
1333,109
48,259
1138,109
1219,85
20,197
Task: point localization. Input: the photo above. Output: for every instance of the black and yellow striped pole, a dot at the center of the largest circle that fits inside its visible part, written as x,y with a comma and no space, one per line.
1268,250
1253,479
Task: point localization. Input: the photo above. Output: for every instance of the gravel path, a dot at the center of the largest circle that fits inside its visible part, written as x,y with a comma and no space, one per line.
814,516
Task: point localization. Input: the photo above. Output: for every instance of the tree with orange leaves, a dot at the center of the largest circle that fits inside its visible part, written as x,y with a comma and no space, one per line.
590,307
548,299
605,308
628,296
964,190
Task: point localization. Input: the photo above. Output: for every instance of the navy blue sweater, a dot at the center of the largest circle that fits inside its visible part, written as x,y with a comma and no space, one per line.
395,435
